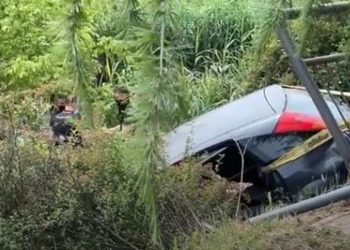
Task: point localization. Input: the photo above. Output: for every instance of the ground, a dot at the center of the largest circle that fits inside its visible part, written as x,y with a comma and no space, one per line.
335,216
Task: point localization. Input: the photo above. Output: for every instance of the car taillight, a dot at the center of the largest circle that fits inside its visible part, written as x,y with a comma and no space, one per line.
297,122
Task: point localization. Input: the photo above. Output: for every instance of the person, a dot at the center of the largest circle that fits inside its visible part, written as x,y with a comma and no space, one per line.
61,124
72,106
122,99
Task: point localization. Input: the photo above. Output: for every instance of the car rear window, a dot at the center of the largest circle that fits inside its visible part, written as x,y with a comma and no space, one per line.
268,148
300,101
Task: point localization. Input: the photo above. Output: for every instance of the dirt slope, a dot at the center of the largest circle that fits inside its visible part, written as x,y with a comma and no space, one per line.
335,216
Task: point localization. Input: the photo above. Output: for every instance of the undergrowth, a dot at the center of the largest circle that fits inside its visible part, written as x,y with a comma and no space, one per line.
65,198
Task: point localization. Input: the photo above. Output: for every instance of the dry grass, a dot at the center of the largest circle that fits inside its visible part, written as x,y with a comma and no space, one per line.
287,234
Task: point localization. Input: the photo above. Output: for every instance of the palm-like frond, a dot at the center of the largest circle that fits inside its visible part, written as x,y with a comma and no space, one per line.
273,18
77,37
132,12
156,105
306,22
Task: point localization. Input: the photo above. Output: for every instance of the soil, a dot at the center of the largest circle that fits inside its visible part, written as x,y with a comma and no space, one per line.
336,216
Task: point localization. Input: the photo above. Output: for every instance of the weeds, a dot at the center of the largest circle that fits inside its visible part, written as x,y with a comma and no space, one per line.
85,198
264,236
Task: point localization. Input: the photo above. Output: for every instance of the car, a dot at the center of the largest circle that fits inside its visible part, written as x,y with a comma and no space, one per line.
256,130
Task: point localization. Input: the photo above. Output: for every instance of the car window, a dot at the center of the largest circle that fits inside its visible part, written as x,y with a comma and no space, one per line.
300,101
268,148
226,160
205,157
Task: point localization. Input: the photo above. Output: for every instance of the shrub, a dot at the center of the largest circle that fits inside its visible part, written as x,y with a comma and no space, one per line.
275,67
192,197
69,198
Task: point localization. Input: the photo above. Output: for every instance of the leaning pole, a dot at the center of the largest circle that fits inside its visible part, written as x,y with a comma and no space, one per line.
306,205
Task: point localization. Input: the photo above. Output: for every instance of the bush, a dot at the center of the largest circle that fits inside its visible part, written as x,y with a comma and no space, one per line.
192,197
327,35
68,199
85,199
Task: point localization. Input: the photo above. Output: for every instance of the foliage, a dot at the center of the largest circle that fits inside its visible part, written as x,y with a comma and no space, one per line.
203,31
77,33
310,35
69,198
26,60
59,207
179,59
193,198
154,108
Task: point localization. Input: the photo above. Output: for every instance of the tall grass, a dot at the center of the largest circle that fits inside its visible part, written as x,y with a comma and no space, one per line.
209,28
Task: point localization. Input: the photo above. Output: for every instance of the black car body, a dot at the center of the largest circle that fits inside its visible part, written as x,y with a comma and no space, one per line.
263,125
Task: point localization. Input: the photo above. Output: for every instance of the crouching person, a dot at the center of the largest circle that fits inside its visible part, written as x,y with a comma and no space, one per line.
62,123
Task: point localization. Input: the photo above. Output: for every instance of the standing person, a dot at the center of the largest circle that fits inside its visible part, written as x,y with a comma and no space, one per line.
122,98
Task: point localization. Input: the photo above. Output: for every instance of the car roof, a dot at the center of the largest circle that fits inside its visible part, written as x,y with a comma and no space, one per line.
217,125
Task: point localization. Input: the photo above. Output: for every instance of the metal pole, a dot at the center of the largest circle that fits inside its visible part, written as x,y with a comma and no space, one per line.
306,205
325,59
301,71
324,91
324,9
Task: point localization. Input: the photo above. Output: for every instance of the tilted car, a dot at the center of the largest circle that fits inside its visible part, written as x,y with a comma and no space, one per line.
260,128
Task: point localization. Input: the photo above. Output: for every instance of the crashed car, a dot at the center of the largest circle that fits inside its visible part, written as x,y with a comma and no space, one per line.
257,130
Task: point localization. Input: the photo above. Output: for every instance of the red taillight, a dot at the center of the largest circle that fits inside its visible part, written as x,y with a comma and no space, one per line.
297,122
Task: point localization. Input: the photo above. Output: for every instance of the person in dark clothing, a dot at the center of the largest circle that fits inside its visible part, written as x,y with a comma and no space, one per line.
62,126
122,98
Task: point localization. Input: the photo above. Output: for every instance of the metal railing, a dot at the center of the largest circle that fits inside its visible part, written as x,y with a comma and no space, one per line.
299,66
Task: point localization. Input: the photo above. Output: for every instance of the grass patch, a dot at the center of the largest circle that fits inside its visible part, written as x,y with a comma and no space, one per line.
285,234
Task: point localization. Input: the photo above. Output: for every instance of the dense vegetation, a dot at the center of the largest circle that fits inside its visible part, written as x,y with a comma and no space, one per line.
179,59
